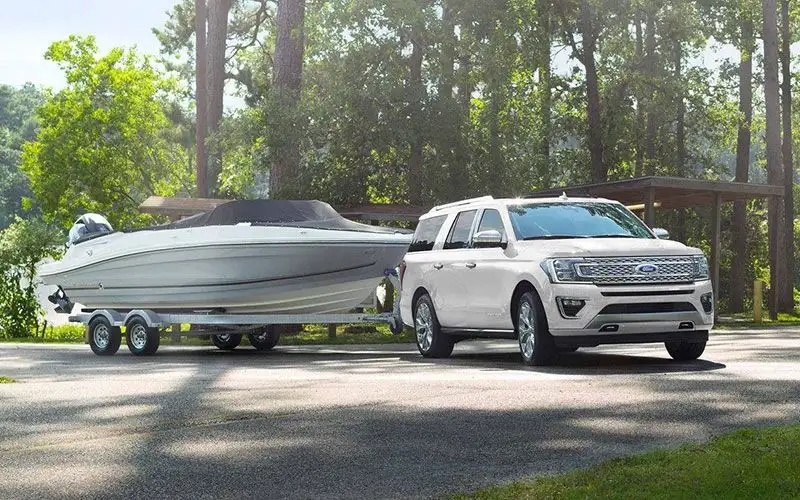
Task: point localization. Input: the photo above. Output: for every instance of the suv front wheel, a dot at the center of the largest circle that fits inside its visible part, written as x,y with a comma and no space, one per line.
535,343
431,342
682,350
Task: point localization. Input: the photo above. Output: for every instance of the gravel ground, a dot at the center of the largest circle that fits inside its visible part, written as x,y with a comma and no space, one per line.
364,421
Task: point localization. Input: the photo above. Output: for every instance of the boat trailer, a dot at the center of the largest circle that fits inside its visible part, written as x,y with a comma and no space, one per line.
145,327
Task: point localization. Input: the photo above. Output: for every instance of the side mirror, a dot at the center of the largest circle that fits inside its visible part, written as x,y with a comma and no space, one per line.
661,233
487,239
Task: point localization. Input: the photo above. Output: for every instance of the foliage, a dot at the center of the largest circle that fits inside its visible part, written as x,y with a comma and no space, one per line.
17,125
23,245
7,380
748,463
103,144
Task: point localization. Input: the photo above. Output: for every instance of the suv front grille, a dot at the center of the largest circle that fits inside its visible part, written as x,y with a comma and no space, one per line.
634,270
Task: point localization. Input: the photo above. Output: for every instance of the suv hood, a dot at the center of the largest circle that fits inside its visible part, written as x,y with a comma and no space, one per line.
603,247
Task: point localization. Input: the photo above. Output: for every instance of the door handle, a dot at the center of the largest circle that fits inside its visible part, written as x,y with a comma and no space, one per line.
471,265
438,266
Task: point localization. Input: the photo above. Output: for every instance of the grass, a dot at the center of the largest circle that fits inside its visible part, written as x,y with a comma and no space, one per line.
318,335
750,463
311,335
745,320
7,380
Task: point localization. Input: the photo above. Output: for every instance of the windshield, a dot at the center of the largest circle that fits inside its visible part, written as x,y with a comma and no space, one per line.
539,221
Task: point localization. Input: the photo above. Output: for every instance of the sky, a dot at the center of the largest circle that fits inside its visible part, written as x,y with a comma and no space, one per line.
28,27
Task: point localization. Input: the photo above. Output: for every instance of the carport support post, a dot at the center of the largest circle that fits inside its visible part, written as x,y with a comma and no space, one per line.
332,331
716,229
650,207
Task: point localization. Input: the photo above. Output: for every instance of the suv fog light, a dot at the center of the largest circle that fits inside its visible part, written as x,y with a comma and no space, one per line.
569,308
707,300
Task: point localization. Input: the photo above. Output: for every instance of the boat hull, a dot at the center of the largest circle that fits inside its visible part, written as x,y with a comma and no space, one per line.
288,275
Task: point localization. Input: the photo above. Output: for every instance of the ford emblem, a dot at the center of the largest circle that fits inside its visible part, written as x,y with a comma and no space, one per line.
646,268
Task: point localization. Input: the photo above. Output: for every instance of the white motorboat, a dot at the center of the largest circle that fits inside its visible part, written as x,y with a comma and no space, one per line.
253,256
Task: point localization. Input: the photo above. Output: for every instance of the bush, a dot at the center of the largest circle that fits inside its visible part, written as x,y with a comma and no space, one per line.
23,245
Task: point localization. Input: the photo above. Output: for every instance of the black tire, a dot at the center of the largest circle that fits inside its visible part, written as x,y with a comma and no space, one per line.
536,346
142,340
682,350
227,341
431,342
104,339
265,339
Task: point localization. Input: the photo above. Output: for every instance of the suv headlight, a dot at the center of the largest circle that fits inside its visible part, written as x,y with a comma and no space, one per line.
563,271
701,267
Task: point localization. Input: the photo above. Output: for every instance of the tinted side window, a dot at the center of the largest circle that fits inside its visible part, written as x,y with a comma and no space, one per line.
491,220
426,232
459,233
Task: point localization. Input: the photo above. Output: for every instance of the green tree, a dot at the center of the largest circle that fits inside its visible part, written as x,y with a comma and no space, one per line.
22,246
17,125
104,141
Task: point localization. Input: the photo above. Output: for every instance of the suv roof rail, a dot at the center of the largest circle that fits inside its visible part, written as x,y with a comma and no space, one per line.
575,194
462,202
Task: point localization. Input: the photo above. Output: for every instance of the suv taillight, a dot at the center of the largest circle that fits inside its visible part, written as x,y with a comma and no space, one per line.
401,272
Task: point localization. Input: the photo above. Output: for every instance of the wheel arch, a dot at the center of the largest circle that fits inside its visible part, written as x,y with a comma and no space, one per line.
419,292
523,286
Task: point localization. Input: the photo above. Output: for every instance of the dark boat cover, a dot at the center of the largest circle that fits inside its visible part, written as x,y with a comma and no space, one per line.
297,213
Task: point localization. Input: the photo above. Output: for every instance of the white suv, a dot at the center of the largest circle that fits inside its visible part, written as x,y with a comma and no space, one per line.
554,273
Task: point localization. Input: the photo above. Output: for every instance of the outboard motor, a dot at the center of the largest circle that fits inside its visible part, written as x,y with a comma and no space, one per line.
88,226
62,302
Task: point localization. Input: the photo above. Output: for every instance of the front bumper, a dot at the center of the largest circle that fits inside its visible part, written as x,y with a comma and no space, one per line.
619,314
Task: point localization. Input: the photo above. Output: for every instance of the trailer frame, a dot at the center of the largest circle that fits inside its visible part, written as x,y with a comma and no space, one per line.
210,323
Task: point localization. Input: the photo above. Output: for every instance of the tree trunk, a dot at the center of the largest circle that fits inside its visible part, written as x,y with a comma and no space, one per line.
599,169
650,133
215,82
452,150
287,73
200,96
544,16
778,281
786,304
680,127
414,175
638,168
739,264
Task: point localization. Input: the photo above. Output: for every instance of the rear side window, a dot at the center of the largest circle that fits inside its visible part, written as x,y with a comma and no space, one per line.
459,233
426,232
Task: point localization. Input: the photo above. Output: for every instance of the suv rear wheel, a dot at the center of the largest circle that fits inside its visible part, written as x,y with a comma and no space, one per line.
535,343
431,342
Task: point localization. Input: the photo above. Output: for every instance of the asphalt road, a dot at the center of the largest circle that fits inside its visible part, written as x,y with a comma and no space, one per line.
364,421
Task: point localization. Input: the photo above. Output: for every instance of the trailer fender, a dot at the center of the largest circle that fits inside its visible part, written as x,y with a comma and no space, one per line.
151,318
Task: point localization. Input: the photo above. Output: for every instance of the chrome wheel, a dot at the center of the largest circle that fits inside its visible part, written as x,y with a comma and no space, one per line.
101,336
224,337
526,326
138,336
424,326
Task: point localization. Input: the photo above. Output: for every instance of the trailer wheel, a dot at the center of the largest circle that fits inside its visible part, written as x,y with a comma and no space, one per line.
396,326
265,339
227,341
142,340
104,339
